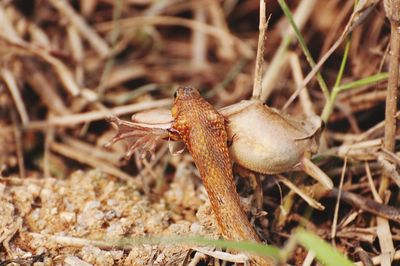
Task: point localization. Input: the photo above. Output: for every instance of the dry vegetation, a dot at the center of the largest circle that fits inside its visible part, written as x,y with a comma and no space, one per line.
66,65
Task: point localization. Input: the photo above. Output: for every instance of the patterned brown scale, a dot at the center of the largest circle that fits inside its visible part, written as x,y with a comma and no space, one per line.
203,130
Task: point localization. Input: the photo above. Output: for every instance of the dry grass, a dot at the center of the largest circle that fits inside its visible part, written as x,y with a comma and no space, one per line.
67,65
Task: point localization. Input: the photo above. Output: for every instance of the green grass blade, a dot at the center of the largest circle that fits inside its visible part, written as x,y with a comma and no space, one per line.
328,108
246,246
349,86
324,252
364,82
303,46
343,63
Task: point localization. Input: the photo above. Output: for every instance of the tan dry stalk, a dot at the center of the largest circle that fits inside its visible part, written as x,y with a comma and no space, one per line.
263,24
392,9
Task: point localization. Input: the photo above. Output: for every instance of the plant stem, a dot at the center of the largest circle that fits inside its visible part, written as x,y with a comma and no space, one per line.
304,47
391,96
258,73
336,88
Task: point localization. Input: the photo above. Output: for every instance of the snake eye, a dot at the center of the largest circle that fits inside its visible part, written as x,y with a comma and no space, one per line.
175,94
